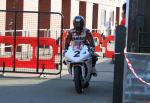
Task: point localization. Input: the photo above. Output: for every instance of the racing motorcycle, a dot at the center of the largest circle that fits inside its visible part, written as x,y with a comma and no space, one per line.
79,63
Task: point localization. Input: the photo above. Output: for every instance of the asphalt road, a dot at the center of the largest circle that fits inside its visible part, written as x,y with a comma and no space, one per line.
14,89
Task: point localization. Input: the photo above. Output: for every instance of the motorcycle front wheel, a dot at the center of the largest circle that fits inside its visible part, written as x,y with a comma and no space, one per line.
78,79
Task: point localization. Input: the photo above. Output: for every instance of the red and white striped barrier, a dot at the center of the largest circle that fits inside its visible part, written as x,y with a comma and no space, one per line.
133,70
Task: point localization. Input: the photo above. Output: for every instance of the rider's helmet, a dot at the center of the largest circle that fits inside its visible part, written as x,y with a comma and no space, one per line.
78,23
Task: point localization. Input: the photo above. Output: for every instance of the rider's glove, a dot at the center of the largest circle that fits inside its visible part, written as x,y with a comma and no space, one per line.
64,52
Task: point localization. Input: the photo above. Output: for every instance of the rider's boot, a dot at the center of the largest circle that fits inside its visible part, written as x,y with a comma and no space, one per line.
86,85
94,72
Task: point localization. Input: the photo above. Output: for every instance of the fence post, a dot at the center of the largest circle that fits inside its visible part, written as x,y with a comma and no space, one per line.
15,34
3,67
120,39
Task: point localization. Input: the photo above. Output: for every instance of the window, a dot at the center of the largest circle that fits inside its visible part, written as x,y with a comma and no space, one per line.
111,15
103,17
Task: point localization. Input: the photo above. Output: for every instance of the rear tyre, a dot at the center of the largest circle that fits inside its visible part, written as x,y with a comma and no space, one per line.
78,79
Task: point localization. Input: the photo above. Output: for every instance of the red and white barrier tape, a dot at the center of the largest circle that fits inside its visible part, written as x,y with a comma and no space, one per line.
133,70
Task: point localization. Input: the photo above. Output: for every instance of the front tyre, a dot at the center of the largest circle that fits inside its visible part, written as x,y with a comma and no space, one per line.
78,79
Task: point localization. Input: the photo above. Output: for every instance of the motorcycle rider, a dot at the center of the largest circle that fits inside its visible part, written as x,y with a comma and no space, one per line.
80,34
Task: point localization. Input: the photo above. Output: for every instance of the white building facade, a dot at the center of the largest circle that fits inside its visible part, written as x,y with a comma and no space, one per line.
96,12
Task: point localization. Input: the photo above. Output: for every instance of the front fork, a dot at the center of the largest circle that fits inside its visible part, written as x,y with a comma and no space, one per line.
86,74
72,67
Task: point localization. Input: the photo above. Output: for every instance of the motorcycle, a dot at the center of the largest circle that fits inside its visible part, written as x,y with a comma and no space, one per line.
79,63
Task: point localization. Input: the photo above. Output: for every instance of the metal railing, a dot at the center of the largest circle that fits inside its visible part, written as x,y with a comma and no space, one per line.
52,33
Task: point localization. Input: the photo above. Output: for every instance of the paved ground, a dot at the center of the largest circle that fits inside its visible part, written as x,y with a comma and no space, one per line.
30,89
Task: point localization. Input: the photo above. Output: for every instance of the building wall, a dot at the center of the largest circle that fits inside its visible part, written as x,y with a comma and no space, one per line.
29,19
74,11
2,23
89,15
56,6
2,16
